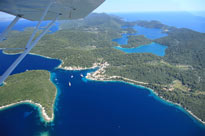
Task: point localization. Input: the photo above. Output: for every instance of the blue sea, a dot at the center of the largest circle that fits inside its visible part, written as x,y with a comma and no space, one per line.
93,108
177,19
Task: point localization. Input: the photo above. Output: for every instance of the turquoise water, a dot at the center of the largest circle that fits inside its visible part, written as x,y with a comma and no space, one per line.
153,48
150,33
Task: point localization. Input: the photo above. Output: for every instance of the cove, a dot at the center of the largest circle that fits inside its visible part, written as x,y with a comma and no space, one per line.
30,62
123,40
115,108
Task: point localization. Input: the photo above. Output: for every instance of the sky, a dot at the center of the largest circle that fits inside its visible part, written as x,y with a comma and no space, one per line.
110,6
151,5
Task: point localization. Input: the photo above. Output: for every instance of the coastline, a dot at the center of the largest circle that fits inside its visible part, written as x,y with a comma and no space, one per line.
167,101
97,76
77,68
29,53
30,102
4,52
188,111
42,111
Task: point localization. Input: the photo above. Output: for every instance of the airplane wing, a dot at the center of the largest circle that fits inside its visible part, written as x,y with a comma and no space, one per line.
39,10
33,9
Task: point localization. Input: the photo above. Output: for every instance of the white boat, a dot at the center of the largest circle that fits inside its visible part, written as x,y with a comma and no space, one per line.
69,83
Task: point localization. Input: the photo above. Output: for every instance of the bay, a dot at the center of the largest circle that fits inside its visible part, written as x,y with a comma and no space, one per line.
99,108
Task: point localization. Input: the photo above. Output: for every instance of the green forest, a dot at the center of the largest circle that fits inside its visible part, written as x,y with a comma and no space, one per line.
30,85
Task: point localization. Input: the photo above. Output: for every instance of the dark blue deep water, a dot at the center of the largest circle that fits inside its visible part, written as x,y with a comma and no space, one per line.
91,108
115,109
30,62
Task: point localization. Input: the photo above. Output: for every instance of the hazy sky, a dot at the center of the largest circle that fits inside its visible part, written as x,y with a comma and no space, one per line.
143,5
151,5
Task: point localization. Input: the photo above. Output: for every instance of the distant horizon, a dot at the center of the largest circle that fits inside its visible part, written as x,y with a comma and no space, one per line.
7,17
150,5
145,6
153,11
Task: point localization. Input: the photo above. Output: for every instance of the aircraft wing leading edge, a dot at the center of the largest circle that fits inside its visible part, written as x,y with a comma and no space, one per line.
33,9
39,10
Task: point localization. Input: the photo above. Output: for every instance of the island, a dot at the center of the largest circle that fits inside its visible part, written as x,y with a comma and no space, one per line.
178,77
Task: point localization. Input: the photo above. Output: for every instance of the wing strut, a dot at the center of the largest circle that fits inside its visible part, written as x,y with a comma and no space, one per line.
3,35
30,43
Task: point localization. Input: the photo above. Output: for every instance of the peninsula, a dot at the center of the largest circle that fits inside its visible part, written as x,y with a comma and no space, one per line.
31,87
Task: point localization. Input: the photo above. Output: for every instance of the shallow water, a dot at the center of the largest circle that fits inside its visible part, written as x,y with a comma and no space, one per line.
153,48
